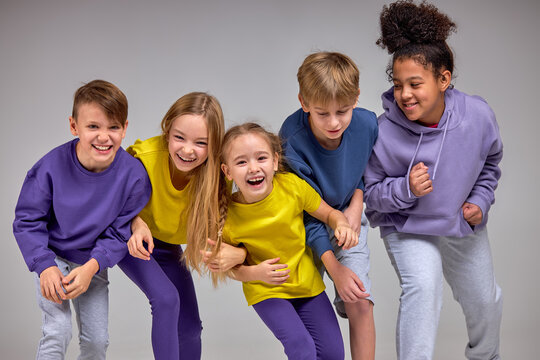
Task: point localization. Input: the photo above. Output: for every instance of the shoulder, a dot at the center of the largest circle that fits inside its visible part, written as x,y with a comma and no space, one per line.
130,165
290,181
59,156
363,119
292,125
153,145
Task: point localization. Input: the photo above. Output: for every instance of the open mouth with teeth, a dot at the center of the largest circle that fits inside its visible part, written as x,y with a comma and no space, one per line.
185,160
102,148
255,181
409,106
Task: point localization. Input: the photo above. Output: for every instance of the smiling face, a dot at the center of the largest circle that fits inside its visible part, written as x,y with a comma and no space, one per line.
99,137
188,142
418,92
328,122
250,162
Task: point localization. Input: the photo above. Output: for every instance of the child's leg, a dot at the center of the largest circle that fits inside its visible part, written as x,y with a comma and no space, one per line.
417,262
468,268
56,327
360,314
164,301
320,320
282,319
92,310
189,322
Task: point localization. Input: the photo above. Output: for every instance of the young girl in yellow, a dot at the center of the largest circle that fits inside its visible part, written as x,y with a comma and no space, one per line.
183,167
265,215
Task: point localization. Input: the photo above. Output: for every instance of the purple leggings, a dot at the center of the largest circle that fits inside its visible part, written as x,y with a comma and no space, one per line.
307,327
167,283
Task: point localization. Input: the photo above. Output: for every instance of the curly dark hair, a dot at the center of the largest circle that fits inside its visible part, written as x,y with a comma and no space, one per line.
419,32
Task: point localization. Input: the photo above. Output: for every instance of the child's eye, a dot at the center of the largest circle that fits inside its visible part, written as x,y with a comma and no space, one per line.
241,162
341,112
322,114
397,86
414,85
92,126
115,127
201,143
262,158
178,137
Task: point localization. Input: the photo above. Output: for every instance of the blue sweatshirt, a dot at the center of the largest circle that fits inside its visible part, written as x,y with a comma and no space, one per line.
462,155
66,210
335,174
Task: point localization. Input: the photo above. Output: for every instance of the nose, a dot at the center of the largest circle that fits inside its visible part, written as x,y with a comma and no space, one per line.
103,136
333,122
406,92
252,166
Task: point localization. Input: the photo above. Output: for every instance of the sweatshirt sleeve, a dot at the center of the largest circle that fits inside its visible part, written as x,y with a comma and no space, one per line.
385,194
111,246
32,214
483,191
316,235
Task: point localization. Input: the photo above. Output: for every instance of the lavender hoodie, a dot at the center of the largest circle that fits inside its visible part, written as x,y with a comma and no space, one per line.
462,155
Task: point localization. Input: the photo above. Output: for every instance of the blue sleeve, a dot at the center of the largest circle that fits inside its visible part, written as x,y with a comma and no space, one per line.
32,215
316,235
111,246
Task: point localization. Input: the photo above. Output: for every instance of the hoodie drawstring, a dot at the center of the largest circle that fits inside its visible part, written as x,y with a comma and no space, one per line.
411,163
442,143
438,155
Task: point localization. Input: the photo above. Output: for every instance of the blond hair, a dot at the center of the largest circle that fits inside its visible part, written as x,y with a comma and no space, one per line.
203,190
327,76
224,190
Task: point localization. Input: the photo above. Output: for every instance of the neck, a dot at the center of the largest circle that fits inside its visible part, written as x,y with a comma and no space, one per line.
179,179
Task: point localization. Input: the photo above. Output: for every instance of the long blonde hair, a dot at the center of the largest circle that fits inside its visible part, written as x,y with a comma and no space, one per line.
203,205
224,189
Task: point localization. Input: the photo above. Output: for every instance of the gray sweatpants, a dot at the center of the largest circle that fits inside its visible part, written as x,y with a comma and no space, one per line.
420,262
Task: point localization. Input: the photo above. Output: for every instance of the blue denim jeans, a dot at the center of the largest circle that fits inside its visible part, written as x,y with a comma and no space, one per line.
91,310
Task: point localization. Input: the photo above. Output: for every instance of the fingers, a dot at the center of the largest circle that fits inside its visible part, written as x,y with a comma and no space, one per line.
136,247
419,180
211,242
150,242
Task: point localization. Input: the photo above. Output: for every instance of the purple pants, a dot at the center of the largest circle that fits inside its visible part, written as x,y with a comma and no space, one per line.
307,327
167,283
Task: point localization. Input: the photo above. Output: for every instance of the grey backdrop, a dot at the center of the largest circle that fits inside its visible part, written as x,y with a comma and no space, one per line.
246,53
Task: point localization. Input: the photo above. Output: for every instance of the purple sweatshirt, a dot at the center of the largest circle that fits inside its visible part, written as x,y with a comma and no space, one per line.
66,210
462,155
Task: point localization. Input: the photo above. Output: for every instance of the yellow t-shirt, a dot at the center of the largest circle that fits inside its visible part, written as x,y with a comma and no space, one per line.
274,227
166,212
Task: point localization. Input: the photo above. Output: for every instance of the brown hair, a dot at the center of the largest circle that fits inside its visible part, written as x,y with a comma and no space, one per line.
113,101
327,76
203,191
224,190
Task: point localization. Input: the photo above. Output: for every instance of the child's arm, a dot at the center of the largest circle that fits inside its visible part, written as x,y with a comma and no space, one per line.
346,236
353,212
384,193
348,285
140,233
268,271
482,195
227,257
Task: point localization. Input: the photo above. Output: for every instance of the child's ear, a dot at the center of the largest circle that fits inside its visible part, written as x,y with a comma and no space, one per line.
125,128
226,171
276,161
302,103
444,80
73,126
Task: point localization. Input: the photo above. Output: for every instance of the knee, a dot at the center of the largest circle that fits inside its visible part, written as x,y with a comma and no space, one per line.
362,308
332,350
301,347
57,329
166,302
94,344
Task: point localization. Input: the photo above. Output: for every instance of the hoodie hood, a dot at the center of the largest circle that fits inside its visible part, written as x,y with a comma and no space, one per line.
448,122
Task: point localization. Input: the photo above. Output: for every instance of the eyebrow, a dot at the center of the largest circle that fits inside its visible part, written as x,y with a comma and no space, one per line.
410,78
258,153
181,133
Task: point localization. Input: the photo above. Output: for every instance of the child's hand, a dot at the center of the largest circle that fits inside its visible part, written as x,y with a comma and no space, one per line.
270,272
354,216
227,257
78,280
50,281
349,286
472,213
140,233
346,236
419,180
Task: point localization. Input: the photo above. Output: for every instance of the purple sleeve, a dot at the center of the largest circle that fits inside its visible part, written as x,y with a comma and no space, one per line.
385,194
111,246
483,191
32,215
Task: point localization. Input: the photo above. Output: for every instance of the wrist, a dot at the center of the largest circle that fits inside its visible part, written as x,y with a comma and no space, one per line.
92,265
